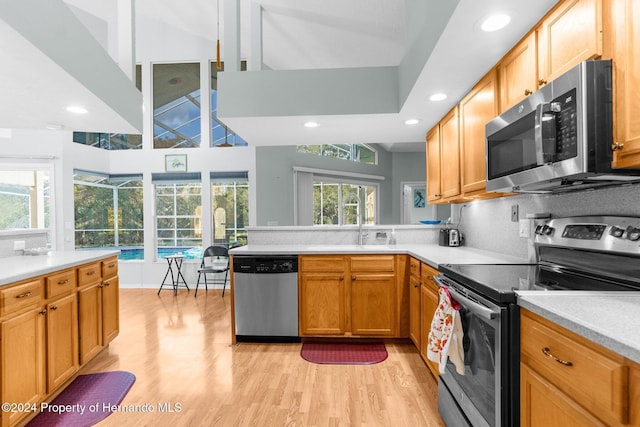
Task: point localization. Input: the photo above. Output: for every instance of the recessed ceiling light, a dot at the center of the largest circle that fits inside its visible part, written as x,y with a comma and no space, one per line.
311,124
438,97
77,109
412,121
53,126
495,22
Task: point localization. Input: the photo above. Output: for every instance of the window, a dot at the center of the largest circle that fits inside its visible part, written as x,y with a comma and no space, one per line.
230,207
221,135
25,197
361,153
176,105
178,204
113,141
109,212
342,203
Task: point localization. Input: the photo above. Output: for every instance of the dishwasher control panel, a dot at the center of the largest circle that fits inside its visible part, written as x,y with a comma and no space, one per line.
265,265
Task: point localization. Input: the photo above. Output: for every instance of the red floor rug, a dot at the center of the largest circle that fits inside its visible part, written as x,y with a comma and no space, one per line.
343,353
86,401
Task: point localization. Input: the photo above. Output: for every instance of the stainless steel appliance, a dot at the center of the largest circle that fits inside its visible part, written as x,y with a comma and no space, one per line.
454,237
265,292
579,253
559,138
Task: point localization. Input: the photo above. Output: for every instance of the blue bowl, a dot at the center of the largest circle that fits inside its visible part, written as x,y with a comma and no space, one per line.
430,222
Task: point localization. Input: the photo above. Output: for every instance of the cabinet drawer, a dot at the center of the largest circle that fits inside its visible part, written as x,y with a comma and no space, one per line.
414,267
61,283
427,273
322,263
89,274
17,297
109,267
593,376
385,263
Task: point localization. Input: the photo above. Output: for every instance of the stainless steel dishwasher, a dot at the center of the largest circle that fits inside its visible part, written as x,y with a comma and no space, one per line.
265,292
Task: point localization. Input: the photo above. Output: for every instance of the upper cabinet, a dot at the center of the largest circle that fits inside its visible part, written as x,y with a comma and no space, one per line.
625,49
569,34
517,71
476,109
443,160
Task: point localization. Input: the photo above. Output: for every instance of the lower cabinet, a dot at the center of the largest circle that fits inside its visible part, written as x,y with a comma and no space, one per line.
348,295
566,379
415,311
98,314
62,340
429,303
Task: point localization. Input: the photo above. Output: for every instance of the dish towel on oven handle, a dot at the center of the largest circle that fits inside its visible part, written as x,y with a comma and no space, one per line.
445,337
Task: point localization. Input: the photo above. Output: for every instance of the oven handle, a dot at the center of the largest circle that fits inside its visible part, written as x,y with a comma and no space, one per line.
473,306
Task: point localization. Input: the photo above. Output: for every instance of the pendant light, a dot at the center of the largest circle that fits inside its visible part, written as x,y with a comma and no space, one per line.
218,63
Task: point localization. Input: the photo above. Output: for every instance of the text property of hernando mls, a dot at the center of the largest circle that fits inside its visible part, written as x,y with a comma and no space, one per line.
162,407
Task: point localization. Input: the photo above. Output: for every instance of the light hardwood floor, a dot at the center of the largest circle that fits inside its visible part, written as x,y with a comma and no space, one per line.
179,348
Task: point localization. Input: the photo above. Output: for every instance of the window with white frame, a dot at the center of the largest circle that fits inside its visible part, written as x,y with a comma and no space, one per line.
343,203
26,196
361,153
178,210
229,207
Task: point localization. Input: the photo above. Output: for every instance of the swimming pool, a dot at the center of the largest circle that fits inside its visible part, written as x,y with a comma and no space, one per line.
137,253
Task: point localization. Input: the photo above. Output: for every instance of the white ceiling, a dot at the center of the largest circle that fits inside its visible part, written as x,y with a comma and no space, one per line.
314,34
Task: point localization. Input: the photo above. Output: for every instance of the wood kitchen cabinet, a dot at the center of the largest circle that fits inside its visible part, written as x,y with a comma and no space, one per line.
476,109
625,42
443,160
570,33
566,379
39,333
415,321
98,305
347,295
429,303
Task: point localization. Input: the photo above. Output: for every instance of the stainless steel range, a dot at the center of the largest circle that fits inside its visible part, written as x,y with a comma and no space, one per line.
599,253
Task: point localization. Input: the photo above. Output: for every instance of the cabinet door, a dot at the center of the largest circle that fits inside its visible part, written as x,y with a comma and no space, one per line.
110,309
429,302
476,109
450,155
62,341
90,322
22,363
434,192
542,405
414,310
322,304
625,29
373,304
571,34
517,72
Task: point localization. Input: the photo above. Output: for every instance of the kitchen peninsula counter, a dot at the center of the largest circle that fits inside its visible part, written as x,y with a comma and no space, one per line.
431,254
16,268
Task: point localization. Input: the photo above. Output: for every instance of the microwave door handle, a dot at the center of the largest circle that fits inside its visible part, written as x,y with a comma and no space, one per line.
480,310
545,134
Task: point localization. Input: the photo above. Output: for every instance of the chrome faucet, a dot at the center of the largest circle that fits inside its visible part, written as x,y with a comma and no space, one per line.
361,234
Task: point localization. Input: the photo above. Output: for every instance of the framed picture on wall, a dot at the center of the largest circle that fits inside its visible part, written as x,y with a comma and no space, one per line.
419,195
175,163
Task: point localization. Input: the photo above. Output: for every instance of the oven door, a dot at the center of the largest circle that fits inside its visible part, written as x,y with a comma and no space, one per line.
483,393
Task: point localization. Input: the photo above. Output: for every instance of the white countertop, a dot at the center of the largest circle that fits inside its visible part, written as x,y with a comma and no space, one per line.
16,268
611,319
431,254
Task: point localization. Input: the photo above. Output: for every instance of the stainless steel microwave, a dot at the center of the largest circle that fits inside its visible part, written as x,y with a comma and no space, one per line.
558,138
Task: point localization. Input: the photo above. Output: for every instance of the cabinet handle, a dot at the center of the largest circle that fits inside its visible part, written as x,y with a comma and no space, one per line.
416,285
100,286
107,283
26,294
54,307
341,277
63,282
91,273
42,312
542,82
353,278
111,265
527,92
547,352
617,146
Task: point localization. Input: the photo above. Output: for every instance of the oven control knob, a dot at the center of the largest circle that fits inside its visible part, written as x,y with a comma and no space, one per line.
616,231
633,234
539,229
547,231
